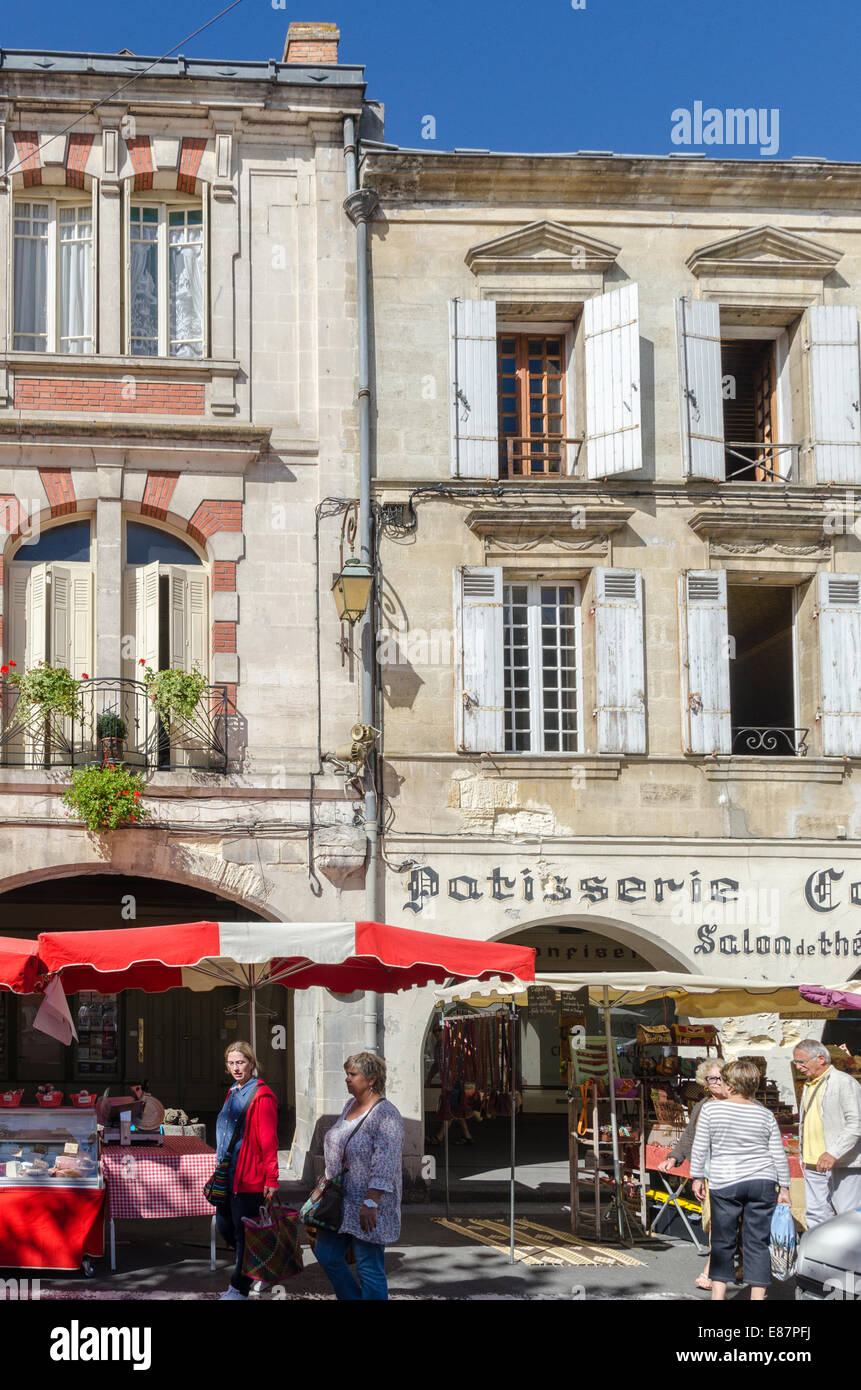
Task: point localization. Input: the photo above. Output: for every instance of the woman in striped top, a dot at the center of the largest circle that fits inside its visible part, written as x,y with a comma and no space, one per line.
746,1160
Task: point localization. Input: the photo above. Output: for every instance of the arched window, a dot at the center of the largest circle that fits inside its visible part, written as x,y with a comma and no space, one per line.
51,600
165,603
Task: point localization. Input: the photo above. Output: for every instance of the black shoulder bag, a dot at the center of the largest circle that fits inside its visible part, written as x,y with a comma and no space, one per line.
324,1209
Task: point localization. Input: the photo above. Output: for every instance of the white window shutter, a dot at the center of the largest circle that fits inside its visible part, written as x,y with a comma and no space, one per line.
178,619
36,644
60,615
612,349
840,663
619,663
81,620
835,392
701,404
16,642
706,720
197,624
472,359
142,608
479,667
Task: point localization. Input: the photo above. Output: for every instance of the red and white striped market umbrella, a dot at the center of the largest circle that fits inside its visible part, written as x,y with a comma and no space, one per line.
340,956
19,965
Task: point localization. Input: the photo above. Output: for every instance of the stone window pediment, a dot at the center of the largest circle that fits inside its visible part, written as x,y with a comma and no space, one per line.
543,256
760,256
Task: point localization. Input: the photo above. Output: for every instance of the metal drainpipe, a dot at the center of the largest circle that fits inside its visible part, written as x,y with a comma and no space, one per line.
360,205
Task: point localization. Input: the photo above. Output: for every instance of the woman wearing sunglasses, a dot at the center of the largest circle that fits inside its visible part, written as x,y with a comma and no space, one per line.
708,1075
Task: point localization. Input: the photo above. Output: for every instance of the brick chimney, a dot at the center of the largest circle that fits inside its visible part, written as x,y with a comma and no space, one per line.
311,42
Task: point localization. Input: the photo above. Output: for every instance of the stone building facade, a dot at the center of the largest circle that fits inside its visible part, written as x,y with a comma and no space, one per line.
177,399
618,455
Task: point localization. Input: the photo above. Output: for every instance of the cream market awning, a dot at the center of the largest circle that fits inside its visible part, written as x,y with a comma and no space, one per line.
696,996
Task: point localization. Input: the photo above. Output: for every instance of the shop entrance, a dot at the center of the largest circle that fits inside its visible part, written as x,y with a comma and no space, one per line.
479,1148
175,1040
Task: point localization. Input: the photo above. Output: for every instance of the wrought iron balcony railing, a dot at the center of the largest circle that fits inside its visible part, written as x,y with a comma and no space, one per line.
30,738
769,741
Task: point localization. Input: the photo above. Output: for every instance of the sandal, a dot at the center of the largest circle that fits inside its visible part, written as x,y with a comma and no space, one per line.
703,1281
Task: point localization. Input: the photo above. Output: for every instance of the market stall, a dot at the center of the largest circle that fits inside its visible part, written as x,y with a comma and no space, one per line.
659,1078
52,1195
157,1184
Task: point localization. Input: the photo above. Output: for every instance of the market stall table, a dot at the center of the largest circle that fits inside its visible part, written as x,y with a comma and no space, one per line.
655,1154
52,1198
145,1183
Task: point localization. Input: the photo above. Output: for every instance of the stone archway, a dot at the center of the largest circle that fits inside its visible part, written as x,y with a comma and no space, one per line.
176,1039
642,948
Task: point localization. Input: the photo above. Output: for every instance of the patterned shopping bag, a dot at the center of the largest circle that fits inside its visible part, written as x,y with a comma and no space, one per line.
272,1248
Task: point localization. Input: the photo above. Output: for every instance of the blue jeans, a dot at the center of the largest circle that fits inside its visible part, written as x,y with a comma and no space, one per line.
754,1201
331,1254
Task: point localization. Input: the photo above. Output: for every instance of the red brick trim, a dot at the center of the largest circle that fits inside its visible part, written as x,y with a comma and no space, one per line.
27,152
12,514
215,516
57,483
230,689
224,576
189,163
115,397
158,491
76,159
223,637
140,154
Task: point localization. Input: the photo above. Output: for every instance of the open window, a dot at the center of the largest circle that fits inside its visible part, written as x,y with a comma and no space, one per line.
516,383
739,692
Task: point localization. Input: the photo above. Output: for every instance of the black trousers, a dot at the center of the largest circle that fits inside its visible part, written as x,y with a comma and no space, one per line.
228,1221
754,1201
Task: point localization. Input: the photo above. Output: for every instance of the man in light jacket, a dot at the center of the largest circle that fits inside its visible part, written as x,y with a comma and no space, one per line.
829,1135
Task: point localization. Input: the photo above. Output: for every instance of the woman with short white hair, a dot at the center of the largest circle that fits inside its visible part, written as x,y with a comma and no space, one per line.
366,1143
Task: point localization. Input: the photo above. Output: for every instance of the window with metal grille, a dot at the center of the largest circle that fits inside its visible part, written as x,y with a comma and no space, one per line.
541,630
531,387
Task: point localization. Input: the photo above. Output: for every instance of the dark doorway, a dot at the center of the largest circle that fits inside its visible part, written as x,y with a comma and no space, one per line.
175,1039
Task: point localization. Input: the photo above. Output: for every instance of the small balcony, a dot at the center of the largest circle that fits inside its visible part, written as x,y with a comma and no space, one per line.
32,739
768,741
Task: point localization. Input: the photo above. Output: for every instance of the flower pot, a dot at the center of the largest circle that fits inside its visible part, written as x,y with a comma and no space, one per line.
112,750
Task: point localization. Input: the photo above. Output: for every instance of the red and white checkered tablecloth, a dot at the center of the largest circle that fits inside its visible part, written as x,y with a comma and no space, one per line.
145,1182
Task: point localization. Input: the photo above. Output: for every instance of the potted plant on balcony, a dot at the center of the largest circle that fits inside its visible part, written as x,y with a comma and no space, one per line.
106,797
174,694
111,733
46,689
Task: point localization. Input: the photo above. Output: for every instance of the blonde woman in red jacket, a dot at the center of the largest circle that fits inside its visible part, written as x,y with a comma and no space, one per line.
254,1157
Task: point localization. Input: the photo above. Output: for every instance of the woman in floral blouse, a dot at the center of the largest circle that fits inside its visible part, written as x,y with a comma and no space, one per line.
371,1131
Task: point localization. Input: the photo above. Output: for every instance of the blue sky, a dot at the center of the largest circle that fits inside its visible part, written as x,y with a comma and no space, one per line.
531,76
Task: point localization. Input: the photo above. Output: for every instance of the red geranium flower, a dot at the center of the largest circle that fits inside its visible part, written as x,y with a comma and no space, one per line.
84,676
141,661
13,663
3,670
137,796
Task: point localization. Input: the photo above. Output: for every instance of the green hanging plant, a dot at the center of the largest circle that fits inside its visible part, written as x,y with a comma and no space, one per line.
106,797
174,693
47,688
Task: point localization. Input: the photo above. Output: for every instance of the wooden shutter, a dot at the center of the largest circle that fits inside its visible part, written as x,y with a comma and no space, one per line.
706,721
178,618
835,392
60,615
619,665
16,641
474,422
840,663
479,672
36,644
701,405
81,620
197,622
612,348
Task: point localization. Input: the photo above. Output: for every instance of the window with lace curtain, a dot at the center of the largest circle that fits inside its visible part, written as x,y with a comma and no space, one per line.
166,281
52,292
